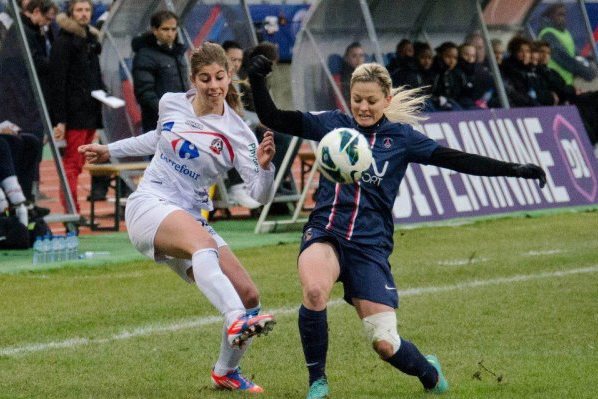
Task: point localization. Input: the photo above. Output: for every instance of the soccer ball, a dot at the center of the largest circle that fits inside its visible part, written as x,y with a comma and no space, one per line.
343,155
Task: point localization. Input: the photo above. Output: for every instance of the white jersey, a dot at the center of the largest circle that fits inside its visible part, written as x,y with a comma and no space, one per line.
191,152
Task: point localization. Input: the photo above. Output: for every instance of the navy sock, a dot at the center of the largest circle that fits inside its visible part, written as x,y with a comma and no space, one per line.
313,329
410,361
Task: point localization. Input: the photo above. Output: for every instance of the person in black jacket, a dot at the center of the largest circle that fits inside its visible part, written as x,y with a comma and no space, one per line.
158,66
75,71
449,81
522,85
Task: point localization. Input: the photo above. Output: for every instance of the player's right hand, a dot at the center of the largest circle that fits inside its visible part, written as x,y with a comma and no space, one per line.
259,66
94,153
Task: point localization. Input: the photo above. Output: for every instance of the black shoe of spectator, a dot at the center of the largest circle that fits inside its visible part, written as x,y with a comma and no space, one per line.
37,211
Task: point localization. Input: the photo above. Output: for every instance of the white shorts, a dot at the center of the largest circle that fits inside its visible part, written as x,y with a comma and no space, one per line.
143,215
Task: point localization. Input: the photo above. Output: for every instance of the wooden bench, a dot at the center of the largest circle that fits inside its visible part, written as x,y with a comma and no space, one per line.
113,171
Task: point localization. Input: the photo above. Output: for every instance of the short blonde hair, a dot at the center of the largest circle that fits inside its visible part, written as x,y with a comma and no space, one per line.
406,104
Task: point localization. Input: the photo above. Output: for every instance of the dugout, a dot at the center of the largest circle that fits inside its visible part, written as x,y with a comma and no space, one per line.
330,26
378,25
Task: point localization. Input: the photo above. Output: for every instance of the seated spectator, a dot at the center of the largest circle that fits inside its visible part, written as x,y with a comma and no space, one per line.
561,42
523,87
353,57
498,49
449,82
235,187
587,103
11,193
476,40
420,72
479,86
282,141
403,58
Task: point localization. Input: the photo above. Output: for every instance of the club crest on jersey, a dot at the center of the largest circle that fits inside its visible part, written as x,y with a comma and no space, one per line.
167,126
194,124
216,146
307,235
387,142
184,149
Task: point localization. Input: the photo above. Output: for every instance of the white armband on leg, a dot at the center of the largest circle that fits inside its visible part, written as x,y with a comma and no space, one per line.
382,327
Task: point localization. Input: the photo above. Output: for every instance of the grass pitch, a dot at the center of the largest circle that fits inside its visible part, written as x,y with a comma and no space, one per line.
509,306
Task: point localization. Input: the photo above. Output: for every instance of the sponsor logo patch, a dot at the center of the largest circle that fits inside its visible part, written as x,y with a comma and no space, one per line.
194,124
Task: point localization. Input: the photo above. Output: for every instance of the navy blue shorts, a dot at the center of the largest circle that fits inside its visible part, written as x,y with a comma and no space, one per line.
365,271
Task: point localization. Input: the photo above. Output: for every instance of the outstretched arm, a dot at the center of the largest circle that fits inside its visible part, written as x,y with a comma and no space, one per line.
289,122
479,165
144,144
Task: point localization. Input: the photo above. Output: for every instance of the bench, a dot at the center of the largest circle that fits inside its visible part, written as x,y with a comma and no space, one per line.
113,171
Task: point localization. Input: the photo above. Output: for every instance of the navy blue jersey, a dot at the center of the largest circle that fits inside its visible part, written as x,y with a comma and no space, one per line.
362,212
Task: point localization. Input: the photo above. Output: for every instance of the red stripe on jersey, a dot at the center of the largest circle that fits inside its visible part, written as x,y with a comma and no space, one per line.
337,190
356,199
229,147
372,140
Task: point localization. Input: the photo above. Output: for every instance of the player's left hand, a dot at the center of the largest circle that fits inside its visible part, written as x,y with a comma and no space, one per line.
266,150
531,171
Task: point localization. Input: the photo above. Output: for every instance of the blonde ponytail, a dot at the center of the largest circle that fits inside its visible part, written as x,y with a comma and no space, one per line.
406,106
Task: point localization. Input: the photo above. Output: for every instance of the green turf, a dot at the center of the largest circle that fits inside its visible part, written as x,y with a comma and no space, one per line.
492,300
238,233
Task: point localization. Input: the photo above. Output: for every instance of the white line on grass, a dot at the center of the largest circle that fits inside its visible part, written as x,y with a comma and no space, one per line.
203,321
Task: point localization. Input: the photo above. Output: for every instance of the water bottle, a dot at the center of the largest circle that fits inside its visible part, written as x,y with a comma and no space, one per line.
46,249
37,251
60,248
72,246
54,249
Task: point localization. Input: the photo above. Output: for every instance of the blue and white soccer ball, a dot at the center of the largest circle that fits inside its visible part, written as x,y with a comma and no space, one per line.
343,155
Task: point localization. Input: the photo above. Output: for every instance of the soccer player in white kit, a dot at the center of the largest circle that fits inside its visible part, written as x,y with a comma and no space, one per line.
200,136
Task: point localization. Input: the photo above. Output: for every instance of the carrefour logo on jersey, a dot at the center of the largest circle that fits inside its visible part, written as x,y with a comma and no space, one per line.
185,149
180,168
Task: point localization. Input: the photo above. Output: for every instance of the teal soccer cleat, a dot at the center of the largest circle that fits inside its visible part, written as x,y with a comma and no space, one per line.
318,390
442,384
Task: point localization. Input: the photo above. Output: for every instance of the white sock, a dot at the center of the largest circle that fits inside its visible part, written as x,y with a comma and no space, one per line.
230,358
3,202
215,285
13,190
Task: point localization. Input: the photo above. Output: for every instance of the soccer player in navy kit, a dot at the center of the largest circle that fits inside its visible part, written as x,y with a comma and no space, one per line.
349,234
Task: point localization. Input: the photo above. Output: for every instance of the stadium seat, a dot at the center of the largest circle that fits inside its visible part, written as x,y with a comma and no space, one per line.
335,64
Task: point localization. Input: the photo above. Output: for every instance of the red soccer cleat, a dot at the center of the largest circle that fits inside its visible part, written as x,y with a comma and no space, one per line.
235,381
247,326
